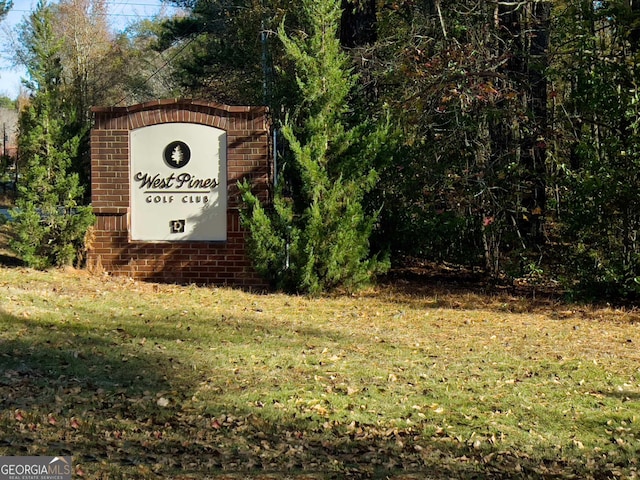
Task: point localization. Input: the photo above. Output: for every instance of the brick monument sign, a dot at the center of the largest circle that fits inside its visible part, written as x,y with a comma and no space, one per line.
164,190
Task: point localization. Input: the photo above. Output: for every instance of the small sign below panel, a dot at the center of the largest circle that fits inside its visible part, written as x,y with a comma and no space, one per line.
178,183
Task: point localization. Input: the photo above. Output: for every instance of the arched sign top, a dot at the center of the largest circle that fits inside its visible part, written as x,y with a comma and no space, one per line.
225,117
182,103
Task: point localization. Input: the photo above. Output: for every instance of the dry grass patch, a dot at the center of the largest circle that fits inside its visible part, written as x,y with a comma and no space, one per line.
139,380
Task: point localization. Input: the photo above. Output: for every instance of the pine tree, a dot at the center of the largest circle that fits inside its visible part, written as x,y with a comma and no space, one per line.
316,237
50,223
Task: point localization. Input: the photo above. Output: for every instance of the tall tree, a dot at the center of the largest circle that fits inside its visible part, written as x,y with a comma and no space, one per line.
223,48
135,66
317,237
50,223
459,76
86,40
525,28
86,50
596,101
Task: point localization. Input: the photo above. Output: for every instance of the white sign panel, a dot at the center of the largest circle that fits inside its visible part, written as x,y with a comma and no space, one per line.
178,183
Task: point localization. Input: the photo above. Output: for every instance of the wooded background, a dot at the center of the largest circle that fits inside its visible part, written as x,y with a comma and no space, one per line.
506,132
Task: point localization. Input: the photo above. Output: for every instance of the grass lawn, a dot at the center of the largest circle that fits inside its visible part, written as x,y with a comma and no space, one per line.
138,380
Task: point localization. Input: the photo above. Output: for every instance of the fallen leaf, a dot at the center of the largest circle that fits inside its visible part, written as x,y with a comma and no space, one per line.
352,391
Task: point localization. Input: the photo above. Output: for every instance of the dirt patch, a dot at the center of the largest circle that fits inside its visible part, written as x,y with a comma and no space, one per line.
423,278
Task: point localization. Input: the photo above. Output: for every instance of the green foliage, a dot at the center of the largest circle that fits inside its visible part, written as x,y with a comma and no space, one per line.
316,238
269,241
597,153
49,222
6,102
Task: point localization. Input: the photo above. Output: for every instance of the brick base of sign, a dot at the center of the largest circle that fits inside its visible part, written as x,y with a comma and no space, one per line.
110,249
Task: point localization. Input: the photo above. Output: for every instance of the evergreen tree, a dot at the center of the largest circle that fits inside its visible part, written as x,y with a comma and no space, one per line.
316,238
49,222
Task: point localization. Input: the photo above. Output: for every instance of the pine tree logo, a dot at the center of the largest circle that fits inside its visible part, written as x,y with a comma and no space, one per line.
177,154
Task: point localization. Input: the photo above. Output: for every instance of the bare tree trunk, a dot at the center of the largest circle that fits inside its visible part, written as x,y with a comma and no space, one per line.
527,29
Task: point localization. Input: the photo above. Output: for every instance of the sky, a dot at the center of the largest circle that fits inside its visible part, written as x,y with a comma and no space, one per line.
121,14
